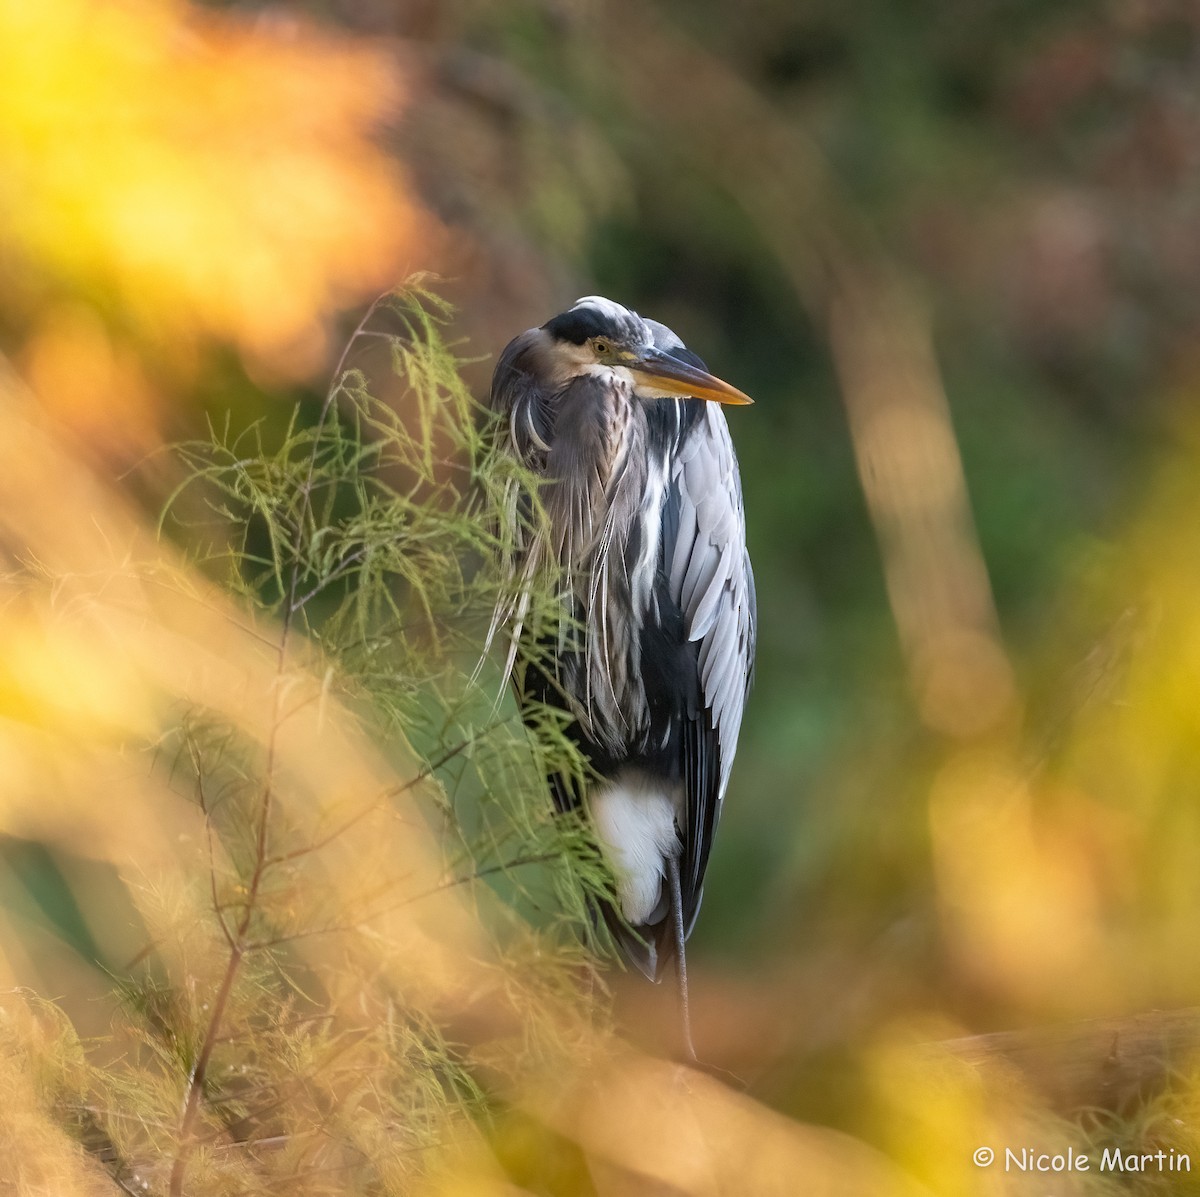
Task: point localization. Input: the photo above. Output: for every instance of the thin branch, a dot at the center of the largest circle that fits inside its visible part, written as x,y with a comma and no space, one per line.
199,1071
238,942
339,571
392,792
384,887
208,832
503,866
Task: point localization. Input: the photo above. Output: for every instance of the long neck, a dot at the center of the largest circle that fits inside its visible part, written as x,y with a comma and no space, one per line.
593,463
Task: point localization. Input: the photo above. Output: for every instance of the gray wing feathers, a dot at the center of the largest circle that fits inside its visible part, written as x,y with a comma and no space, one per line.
708,598
709,575
704,569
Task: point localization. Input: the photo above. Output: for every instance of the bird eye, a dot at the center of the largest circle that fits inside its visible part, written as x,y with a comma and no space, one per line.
601,347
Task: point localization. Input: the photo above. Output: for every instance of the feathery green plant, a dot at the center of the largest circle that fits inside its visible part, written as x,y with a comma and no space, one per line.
377,532
364,546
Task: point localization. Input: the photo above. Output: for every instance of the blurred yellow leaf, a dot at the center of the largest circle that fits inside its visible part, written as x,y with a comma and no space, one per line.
205,175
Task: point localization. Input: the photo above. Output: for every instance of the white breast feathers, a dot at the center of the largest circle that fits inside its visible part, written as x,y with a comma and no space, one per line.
635,822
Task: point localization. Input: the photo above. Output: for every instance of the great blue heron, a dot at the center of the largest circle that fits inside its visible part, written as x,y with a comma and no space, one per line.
653,655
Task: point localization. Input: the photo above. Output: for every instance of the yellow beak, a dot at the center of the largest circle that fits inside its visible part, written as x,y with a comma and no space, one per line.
662,372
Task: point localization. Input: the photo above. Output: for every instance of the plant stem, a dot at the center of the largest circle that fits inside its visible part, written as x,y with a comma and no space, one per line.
238,943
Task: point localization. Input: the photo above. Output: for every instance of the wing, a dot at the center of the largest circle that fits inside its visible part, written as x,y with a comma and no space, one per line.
708,575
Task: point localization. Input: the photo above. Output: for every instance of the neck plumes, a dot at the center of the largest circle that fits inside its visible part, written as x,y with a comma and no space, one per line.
590,466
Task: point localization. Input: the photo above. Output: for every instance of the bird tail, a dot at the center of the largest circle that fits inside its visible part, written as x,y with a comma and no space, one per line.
649,948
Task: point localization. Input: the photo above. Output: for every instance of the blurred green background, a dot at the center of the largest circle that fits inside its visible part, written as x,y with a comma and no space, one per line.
936,243
1029,169
1030,173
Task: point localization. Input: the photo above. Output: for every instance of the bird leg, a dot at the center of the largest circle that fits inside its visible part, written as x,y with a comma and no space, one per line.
680,956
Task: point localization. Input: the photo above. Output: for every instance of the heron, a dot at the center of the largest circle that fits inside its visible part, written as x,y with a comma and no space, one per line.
622,428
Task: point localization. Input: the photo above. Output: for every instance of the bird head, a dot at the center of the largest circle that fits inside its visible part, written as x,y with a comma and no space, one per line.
599,337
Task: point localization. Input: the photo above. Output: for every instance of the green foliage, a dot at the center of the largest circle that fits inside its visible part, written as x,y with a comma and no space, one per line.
360,544
382,530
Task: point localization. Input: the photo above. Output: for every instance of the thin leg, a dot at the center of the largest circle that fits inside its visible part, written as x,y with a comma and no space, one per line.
680,956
